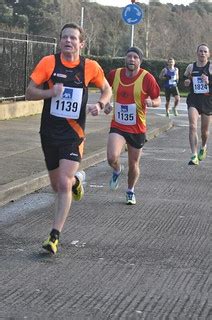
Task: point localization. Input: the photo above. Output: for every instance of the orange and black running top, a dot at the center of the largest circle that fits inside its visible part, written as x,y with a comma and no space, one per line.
129,99
63,118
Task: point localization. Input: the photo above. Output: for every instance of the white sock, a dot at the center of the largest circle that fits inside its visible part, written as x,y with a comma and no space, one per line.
117,172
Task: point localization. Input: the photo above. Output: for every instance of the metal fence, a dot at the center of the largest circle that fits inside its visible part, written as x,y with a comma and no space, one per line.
19,53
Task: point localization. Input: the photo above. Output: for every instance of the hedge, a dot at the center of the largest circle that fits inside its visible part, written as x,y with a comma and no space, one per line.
153,66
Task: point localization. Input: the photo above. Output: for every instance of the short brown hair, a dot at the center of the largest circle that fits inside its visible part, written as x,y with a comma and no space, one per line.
74,26
202,44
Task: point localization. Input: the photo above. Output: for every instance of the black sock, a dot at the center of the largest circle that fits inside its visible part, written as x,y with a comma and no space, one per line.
55,234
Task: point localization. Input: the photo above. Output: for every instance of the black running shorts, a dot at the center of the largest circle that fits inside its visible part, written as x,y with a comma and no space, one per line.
202,102
172,91
135,140
54,153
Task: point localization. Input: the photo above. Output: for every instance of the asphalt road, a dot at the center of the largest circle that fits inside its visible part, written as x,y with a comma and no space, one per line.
149,261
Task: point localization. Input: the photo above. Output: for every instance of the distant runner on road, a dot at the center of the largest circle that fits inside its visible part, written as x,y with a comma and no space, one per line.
198,77
170,76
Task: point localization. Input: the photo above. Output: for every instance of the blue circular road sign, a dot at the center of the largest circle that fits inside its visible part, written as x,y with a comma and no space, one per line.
132,14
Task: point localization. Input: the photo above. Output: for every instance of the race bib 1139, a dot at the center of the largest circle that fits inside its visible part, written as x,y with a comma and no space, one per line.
68,104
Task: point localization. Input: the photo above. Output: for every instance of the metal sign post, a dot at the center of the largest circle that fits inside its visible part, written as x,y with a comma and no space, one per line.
82,17
132,14
132,34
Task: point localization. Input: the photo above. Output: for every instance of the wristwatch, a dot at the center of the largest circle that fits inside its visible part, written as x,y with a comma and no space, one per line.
101,104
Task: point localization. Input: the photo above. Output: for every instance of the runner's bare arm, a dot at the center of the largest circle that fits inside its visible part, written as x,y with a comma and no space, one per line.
162,74
35,92
187,75
106,93
177,74
153,103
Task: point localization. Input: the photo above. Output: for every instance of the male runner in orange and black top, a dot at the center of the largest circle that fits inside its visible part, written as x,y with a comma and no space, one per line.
134,89
198,76
62,81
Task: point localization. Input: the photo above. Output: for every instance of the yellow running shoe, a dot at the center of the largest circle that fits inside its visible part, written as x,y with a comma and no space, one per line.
51,245
194,160
202,154
77,189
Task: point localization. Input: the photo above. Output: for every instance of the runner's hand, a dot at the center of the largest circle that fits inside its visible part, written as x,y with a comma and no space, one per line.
93,109
108,108
187,82
167,76
149,102
205,78
57,89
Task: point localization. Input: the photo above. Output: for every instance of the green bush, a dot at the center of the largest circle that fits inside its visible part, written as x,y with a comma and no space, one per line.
153,66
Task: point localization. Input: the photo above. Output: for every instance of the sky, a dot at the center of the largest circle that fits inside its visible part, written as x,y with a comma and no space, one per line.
123,3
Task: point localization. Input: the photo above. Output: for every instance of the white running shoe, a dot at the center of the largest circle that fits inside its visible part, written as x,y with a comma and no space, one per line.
130,198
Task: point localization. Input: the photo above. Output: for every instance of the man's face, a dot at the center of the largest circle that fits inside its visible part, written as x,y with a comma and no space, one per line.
171,63
203,53
132,61
70,41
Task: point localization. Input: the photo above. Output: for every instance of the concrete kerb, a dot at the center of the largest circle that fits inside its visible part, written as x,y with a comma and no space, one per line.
18,188
17,109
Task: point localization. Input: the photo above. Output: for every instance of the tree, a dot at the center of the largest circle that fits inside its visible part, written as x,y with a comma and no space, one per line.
166,29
